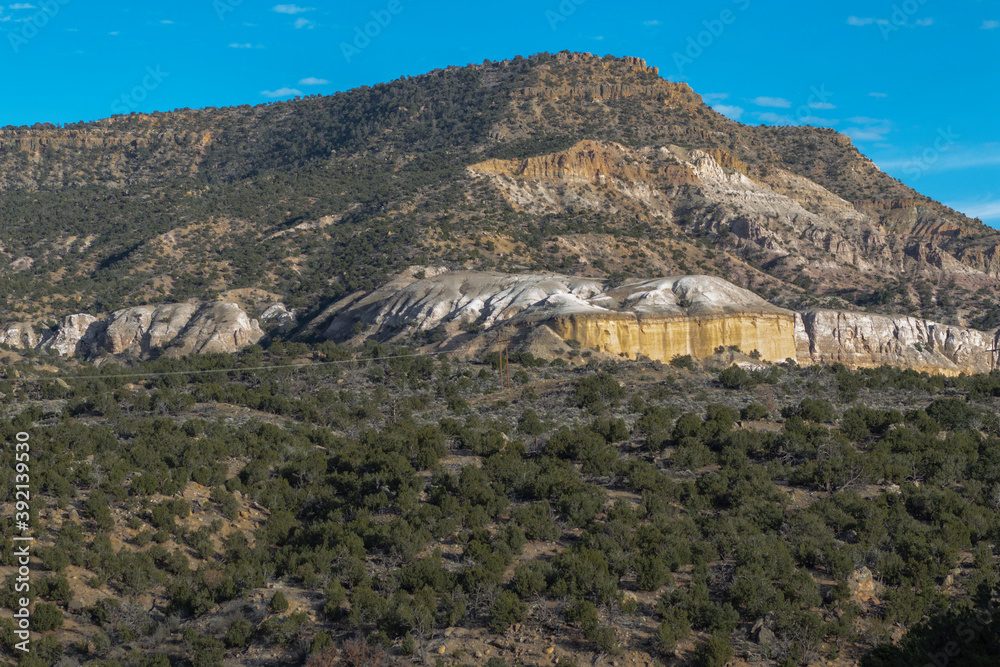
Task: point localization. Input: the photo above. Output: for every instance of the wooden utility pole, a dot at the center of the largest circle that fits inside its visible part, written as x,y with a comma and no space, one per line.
504,359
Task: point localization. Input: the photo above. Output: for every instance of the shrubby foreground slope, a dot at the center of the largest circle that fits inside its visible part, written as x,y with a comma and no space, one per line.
405,506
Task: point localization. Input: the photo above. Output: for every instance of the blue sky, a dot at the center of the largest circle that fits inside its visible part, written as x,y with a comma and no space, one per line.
914,82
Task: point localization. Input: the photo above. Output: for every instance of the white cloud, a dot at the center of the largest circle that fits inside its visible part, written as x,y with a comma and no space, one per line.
866,133
879,95
115,32
865,120
166,22
987,155
986,210
778,102
729,111
712,98
872,129
822,105
856,21
304,23
313,81
281,92
770,117
241,46
21,5
292,9
653,22
925,22
990,25
818,121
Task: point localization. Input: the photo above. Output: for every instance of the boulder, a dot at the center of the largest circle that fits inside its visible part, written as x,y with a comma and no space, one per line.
863,586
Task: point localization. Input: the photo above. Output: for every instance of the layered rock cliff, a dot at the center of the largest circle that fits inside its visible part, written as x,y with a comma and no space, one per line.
663,338
180,328
659,319
867,340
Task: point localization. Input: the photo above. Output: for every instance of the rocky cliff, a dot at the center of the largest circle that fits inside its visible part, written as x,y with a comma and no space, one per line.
659,319
180,328
868,340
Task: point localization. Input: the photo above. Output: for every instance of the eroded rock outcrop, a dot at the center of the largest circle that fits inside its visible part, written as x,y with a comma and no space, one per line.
660,319
670,317
19,335
143,327
869,340
76,334
182,328
456,300
217,327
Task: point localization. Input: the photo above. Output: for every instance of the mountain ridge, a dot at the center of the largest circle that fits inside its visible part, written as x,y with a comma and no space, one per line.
313,199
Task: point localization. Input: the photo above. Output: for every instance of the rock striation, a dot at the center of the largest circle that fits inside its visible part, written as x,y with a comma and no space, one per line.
179,328
659,319
865,340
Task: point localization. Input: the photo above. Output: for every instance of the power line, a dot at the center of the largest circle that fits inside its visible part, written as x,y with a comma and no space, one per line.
224,370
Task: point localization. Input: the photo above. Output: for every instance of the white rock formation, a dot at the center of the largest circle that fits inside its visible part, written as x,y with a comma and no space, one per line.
217,327
461,297
635,319
185,327
76,335
277,313
867,340
19,335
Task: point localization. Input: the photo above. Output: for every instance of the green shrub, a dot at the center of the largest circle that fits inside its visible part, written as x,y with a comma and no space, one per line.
754,412
279,602
735,377
46,617
238,633
716,652
506,611
683,361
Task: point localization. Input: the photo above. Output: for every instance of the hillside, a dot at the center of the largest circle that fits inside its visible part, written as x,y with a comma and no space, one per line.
309,200
746,412
368,502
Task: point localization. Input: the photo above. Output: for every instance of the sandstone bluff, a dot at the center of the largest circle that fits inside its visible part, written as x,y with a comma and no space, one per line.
659,319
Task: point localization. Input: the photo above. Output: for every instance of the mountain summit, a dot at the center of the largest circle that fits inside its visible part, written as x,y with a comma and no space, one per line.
589,166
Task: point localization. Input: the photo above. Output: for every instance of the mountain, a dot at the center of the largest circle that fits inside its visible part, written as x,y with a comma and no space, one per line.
590,166
312,458
463,313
